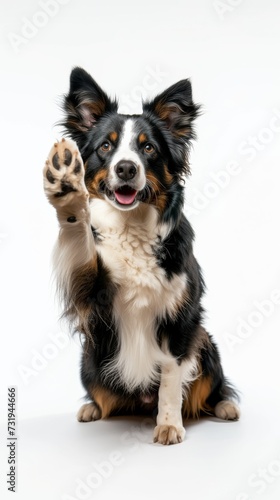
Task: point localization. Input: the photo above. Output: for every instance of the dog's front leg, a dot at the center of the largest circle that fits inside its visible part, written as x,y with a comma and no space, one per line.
169,429
66,191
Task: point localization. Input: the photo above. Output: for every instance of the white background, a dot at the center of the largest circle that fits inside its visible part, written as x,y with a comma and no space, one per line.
230,49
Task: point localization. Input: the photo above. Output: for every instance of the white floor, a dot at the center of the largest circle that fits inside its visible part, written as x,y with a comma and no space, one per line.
59,458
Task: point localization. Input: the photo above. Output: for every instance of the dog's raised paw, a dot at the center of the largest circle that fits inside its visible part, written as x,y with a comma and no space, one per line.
64,173
88,413
169,434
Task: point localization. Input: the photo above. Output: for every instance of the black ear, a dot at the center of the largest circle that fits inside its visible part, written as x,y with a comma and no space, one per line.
85,103
176,109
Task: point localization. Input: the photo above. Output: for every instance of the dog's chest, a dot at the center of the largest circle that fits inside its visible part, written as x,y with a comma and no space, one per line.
129,250
130,256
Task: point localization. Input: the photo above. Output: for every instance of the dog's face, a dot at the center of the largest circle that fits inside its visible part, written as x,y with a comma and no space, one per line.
120,166
131,159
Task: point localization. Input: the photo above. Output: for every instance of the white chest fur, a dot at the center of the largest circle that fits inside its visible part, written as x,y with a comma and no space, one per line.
127,243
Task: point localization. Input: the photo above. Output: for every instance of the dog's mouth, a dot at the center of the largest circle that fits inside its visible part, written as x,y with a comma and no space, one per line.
124,196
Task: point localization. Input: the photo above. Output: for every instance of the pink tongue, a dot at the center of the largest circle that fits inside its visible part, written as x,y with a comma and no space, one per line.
125,198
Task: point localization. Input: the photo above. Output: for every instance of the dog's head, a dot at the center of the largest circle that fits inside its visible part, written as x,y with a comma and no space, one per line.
132,159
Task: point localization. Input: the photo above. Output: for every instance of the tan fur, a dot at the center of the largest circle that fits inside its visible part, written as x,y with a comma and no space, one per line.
168,176
142,138
165,112
97,108
113,136
93,186
195,401
160,197
107,401
195,398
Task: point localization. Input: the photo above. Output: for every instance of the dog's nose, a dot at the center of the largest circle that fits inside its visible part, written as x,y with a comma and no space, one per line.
125,170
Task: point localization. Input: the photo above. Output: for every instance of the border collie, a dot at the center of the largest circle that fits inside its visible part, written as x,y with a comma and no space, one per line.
124,261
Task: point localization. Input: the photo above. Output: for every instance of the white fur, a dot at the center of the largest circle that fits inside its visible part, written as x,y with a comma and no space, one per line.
227,410
125,152
144,293
174,376
88,412
67,254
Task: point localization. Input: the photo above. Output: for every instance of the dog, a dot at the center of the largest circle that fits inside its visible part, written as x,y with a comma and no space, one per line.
124,259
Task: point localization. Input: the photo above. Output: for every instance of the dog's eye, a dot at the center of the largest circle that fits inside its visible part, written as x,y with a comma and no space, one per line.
149,148
106,146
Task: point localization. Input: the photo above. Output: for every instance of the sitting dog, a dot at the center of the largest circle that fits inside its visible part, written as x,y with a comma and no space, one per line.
125,267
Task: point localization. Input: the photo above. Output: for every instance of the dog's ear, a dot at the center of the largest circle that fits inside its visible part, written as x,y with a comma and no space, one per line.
85,103
176,109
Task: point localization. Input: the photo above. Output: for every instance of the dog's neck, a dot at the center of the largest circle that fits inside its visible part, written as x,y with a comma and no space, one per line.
105,217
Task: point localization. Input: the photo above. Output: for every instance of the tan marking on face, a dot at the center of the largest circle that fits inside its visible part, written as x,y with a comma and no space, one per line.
142,138
154,182
159,194
113,136
93,184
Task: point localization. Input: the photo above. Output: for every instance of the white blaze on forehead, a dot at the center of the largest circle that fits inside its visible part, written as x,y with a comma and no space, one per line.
126,152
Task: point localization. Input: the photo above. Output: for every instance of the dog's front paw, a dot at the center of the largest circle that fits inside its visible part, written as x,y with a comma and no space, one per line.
64,174
169,434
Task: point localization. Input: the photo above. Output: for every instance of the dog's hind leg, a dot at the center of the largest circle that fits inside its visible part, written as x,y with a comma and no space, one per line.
104,403
211,392
89,412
